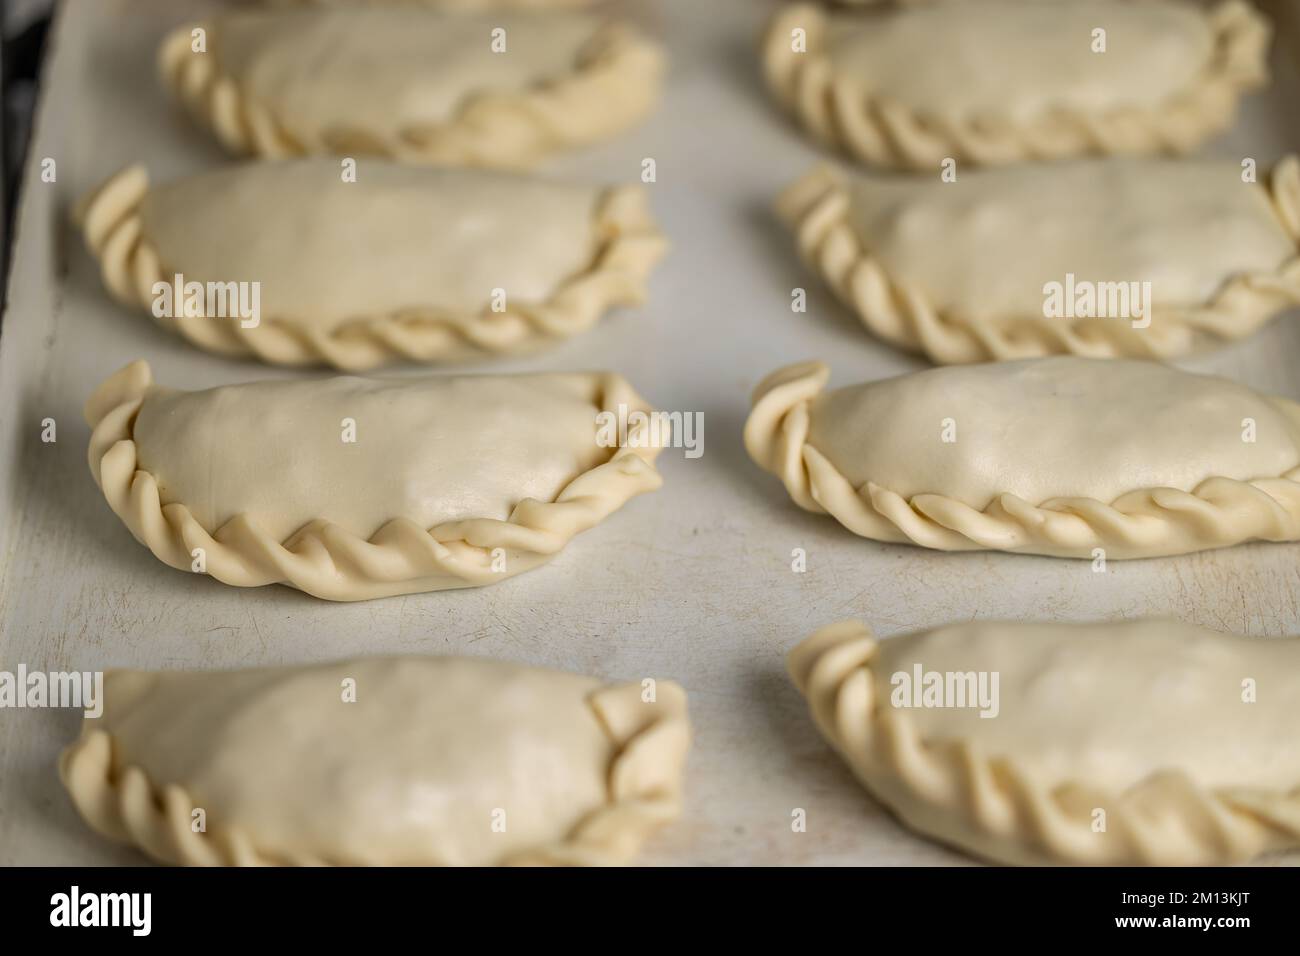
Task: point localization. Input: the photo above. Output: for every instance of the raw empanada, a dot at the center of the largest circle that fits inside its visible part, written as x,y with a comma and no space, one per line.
404,263
1000,81
1148,742
498,89
1037,260
1058,456
352,488
432,761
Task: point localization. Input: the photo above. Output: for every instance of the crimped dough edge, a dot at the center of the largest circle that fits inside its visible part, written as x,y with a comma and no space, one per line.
1143,523
644,786
628,246
989,806
330,562
816,209
613,85
885,133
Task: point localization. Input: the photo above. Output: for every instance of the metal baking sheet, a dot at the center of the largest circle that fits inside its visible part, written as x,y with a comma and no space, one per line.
693,582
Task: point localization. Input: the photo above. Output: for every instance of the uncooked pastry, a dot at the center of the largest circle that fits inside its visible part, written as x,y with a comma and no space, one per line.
415,84
960,270
1180,736
1061,456
435,761
404,263
1003,81
351,488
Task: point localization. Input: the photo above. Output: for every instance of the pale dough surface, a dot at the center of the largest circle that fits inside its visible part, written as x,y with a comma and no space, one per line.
427,449
410,772
985,245
1110,704
1049,428
399,67
1021,58
401,237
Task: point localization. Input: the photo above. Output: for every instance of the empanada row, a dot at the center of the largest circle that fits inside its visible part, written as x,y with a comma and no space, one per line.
1062,456
381,761
1004,81
1115,257
451,87
359,267
1136,743
351,489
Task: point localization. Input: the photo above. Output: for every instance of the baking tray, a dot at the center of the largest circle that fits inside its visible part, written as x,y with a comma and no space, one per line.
693,582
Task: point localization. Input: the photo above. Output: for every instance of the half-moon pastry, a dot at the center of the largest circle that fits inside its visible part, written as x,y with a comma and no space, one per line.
392,263
1004,81
1063,456
498,88
381,761
1113,257
1135,743
351,488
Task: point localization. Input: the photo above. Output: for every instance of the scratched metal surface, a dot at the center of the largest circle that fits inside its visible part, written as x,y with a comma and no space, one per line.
692,583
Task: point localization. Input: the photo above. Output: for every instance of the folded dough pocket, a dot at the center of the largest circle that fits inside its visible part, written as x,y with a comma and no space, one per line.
351,488
1061,456
501,89
1002,81
1114,257
381,761
311,261
1136,743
